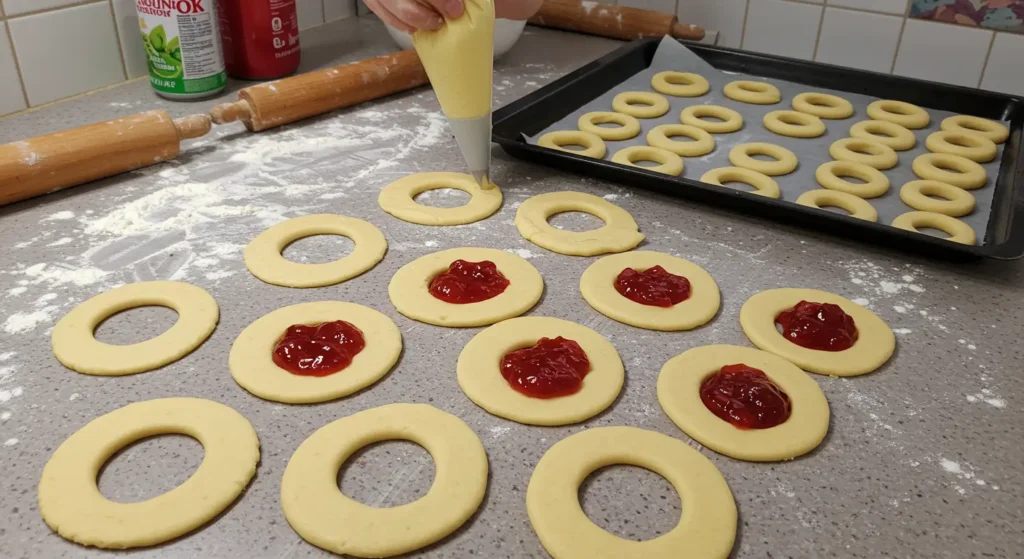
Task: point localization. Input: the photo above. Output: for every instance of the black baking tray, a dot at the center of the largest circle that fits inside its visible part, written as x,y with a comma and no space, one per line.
1003,237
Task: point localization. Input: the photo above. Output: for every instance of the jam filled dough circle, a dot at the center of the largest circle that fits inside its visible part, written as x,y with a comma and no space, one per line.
794,124
874,346
886,133
593,145
661,137
75,344
668,162
479,372
72,505
619,233
958,231
628,127
950,169
995,131
679,385
757,93
680,84
857,206
708,531
956,202
823,105
325,517
762,183
785,160
398,199
640,104
897,112
830,175
731,120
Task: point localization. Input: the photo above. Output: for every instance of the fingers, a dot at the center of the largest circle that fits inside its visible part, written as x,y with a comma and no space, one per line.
451,9
405,15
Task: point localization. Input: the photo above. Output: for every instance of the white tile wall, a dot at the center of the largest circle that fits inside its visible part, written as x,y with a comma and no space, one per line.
17,7
724,16
859,39
782,28
942,52
1005,69
11,97
130,35
665,6
884,6
311,13
338,9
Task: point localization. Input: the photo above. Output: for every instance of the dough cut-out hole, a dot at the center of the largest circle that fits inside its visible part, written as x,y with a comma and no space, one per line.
149,468
946,167
608,125
737,185
933,232
445,197
132,326
680,137
387,474
617,497
319,249
834,209
791,119
578,221
763,157
710,118
851,179
640,104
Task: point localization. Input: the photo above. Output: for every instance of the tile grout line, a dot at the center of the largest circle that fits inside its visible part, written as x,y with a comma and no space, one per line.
862,10
817,38
899,44
323,10
117,39
54,9
743,31
988,56
17,63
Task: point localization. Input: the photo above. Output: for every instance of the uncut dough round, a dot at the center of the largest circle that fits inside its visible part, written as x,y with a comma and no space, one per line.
857,206
397,199
762,183
597,285
72,505
731,120
794,124
264,260
966,174
873,348
479,372
252,364
692,85
975,147
325,517
628,127
660,137
886,133
640,104
593,146
668,162
785,160
957,201
410,289
958,231
756,93
679,385
619,233
995,131
830,175
707,531
897,112
823,105
76,346
868,152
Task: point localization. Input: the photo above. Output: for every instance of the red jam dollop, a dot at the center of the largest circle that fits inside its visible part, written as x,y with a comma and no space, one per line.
549,369
318,351
821,326
654,287
468,282
745,397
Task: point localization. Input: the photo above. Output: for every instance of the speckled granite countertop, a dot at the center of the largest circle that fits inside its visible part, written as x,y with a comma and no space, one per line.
923,458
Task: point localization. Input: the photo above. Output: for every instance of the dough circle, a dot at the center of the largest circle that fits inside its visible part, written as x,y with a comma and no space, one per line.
661,137
668,162
756,93
897,112
597,285
593,145
679,385
397,199
874,346
619,233
76,346
857,206
479,372
640,104
762,183
252,365
958,231
830,175
950,169
823,105
794,124
325,517
973,146
957,201
680,84
264,260
785,160
72,505
995,131
868,152
707,530
410,289
886,133
628,127
694,116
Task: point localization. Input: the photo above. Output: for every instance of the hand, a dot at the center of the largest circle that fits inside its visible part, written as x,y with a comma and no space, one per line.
412,15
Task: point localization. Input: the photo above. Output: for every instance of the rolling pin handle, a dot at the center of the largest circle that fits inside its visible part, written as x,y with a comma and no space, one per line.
230,112
686,31
191,127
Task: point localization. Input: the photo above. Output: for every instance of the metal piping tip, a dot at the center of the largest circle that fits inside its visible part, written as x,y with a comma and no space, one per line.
482,178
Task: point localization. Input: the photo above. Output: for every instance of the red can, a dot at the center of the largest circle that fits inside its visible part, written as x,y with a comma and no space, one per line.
260,37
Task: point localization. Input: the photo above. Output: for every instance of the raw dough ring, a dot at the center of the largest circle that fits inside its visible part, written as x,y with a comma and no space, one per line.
965,174
823,105
660,137
830,175
479,372
628,127
958,231
973,146
668,162
640,104
325,517
731,120
252,365
75,345
873,348
785,160
708,531
794,124
958,202
762,183
410,293
398,199
679,386
995,131
73,506
680,84
619,233
756,93
886,133
905,114
857,206
868,152
597,285
593,145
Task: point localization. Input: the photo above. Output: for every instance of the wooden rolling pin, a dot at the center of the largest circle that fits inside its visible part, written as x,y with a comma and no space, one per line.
47,163
617,22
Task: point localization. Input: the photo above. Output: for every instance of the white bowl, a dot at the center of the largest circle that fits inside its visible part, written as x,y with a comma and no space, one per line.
506,33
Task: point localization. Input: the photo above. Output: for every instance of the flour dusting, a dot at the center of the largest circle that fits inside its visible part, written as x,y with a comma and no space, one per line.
523,253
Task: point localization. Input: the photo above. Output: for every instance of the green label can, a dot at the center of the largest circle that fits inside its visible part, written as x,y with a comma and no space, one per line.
183,47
